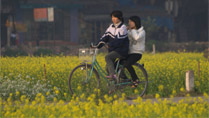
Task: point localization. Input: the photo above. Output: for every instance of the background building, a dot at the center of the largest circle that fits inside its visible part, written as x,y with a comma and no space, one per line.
83,21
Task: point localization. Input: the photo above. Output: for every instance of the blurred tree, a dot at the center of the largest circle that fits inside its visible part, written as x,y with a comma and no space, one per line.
150,27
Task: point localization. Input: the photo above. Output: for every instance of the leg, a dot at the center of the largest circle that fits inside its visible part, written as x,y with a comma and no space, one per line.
132,59
133,73
110,59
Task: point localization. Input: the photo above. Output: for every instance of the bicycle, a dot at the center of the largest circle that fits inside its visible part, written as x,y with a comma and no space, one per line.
86,77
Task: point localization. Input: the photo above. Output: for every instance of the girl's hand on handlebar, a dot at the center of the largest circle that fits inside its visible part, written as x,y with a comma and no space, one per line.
92,46
106,46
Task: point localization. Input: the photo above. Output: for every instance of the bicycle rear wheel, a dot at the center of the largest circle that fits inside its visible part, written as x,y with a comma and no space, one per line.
83,80
127,86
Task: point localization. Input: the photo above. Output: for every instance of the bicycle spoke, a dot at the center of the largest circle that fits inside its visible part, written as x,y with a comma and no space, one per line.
142,84
80,80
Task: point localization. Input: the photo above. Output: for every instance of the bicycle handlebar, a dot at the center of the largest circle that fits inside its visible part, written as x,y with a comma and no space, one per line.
96,46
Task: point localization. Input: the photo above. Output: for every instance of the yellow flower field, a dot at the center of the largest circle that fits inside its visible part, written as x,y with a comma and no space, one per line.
91,107
166,73
38,87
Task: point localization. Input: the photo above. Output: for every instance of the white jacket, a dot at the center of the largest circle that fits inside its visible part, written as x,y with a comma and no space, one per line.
136,40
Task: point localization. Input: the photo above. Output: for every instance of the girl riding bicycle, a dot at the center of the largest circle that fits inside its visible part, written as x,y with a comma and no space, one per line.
136,35
117,42
86,77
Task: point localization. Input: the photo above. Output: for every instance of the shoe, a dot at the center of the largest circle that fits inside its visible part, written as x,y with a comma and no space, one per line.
111,77
135,84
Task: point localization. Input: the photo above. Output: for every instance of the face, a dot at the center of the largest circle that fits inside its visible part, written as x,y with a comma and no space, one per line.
115,20
131,24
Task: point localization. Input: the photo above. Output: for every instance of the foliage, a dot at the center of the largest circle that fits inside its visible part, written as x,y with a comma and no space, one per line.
151,28
19,87
166,72
80,107
43,52
14,52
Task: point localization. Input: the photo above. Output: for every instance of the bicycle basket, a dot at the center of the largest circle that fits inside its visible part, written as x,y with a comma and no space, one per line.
86,54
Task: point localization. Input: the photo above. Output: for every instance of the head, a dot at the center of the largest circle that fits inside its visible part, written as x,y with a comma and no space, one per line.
134,22
117,16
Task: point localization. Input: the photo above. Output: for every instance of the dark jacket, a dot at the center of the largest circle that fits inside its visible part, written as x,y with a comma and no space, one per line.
117,39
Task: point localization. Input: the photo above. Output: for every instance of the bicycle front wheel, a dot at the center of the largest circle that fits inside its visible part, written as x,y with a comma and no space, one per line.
83,79
142,77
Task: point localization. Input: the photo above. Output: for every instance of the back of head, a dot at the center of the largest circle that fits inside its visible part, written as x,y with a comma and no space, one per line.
118,14
136,20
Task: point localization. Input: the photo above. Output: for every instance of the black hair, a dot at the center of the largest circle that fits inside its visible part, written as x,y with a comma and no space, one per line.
118,14
136,20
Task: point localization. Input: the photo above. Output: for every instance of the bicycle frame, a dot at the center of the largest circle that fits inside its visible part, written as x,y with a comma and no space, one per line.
96,65
93,67
101,72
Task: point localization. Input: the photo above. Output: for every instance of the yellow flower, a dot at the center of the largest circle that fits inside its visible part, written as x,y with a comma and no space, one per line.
174,92
95,90
10,94
106,97
82,96
157,96
39,94
171,96
98,91
115,96
99,114
17,93
52,116
79,88
182,89
205,95
123,95
33,103
65,94
22,98
55,88
22,116
47,93
55,99
136,91
57,92
160,87
197,83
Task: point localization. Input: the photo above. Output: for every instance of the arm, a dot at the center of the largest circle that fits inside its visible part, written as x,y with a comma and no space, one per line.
104,39
137,36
